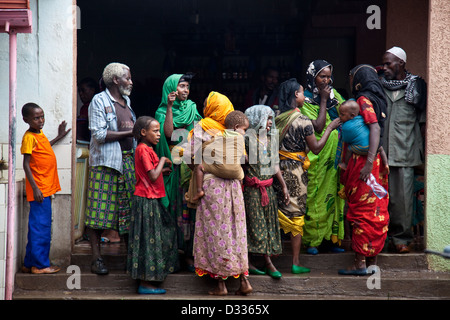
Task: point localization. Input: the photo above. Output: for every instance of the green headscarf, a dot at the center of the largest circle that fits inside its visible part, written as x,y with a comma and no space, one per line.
184,115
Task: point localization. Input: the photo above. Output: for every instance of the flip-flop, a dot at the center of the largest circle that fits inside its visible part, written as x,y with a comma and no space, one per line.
104,240
354,272
144,290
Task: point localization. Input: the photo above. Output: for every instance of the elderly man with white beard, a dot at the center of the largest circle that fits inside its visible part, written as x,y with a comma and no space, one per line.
403,140
111,160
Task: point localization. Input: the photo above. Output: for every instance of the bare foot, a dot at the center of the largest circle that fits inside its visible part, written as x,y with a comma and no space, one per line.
199,195
111,235
220,290
245,287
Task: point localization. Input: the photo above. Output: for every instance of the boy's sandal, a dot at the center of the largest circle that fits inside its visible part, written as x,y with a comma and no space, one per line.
353,272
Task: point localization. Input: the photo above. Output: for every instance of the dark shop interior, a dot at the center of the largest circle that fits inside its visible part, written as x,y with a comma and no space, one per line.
227,44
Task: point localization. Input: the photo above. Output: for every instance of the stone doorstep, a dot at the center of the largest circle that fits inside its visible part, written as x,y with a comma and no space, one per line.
402,276
322,261
320,283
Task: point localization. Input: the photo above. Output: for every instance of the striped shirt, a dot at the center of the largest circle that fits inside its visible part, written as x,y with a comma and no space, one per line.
102,117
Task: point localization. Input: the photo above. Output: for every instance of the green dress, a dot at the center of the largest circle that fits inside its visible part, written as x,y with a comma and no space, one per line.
185,114
152,250
324,217
263,230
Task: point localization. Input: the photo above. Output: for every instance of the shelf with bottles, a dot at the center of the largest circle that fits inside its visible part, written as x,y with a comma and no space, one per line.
233,75
235,68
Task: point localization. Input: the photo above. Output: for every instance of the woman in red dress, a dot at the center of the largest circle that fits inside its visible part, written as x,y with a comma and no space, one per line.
367,210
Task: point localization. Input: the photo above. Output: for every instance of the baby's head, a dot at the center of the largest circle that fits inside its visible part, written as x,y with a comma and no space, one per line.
237,121
348,110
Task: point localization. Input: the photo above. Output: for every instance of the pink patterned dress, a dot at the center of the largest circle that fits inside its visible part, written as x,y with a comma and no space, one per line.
220,241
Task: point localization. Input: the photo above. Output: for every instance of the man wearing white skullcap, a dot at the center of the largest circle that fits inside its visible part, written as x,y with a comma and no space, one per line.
403,142
398,52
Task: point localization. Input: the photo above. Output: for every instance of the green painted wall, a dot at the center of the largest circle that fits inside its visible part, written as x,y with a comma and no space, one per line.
437,208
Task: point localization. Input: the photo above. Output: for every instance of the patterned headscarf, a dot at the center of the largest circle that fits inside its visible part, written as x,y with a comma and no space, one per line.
312,92
258,115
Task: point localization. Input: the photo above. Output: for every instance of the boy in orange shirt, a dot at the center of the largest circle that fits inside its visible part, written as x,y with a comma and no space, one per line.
39,164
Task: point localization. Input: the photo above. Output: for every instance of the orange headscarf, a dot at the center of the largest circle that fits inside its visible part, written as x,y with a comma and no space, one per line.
218,106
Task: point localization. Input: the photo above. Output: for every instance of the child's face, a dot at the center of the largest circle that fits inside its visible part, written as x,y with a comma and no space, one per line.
346,112
86,93
151,135
269,123
35,119
242,128
299,97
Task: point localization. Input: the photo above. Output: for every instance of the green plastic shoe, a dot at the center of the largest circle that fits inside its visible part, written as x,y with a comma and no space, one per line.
298,269
256,272
274,275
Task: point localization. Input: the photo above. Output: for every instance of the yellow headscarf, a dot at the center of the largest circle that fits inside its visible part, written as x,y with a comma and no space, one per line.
218,106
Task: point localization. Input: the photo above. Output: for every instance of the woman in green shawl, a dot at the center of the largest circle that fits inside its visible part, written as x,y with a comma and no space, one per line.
176,111
324,219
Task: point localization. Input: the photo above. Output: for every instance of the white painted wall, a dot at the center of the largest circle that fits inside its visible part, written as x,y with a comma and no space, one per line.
45,64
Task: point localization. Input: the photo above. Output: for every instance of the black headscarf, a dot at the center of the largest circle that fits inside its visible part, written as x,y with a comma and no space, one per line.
187,77
366,83
287,94
312,92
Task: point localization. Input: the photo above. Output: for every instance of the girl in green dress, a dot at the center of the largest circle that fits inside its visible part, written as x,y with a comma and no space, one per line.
152,249
263,230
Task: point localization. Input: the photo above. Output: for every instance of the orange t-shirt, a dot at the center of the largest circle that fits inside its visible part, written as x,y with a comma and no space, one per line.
42,164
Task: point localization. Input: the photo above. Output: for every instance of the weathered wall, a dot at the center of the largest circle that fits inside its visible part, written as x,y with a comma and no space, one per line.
407,25
438,133
45,75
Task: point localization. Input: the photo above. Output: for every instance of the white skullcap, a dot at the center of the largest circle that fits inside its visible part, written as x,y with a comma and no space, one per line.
398,52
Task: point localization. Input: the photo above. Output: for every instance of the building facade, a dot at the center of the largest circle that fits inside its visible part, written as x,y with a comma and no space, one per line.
47,75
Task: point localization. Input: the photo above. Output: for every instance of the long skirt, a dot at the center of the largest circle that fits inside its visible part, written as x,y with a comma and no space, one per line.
152,247
109,196
263,228
324,219
296,180
367,213
220,240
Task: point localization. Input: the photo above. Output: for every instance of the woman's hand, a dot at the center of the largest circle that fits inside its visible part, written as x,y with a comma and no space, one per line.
325,92
365,171
171,98
286,196
334,124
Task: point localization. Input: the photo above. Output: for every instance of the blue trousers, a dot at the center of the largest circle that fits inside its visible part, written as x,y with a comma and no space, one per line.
39,234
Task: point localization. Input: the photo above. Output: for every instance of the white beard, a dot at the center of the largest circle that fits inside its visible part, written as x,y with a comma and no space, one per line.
125,91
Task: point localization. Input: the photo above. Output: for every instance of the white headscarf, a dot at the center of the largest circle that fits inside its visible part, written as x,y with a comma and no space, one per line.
258,115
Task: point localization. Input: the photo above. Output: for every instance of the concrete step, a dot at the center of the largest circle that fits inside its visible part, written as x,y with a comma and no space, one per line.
321,284
114,256
401,276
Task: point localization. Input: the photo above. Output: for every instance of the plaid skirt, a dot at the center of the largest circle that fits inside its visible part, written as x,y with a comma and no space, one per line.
108,204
